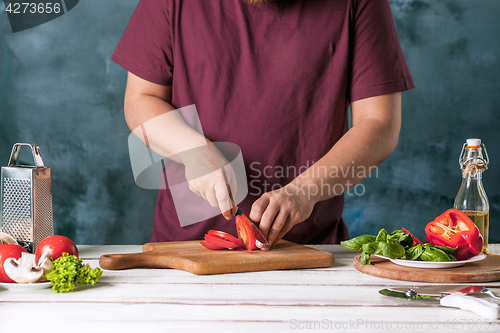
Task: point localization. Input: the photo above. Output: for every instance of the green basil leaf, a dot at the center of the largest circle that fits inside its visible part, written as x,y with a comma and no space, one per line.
365,259
434,254
401,237
356,244
397,234
414,252
382,236
446,249
392,250
372,248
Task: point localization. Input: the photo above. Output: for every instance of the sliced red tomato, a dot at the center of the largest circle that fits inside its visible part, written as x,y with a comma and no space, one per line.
211,246
415,239
245,232
218,241
226,236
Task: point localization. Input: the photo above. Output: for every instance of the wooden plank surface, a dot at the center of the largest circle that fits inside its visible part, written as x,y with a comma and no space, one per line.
192,257
154,317
337,298
246,317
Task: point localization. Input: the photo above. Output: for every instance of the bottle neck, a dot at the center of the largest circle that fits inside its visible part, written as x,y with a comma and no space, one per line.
472,154
477,176
473,164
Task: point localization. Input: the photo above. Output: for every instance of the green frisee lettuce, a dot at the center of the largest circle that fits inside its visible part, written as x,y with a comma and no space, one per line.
69,270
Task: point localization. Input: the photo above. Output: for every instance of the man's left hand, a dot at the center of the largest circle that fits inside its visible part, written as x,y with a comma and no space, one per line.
279,210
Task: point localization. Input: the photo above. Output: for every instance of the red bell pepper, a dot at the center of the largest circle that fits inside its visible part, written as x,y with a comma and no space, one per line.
226,236
415,239
218,240
245,232
455,229
211,246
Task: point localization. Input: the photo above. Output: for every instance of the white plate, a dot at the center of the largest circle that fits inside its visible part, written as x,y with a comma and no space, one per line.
433,264
25,286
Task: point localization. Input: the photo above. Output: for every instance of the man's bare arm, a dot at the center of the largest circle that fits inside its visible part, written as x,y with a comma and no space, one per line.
374,135
168,134
372,138
156,122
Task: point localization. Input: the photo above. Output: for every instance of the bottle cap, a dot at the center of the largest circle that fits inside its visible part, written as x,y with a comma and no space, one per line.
473,142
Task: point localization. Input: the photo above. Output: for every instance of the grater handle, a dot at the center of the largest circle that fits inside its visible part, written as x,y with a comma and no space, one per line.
35,150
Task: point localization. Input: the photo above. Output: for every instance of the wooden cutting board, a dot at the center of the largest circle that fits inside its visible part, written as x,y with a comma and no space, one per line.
191,256
486,270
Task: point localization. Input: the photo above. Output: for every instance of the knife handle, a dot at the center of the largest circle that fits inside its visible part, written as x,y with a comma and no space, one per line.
479,306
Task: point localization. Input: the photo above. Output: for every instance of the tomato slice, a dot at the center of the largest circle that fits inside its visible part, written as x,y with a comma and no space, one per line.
415,239
226,236
211,246
218,241
245,232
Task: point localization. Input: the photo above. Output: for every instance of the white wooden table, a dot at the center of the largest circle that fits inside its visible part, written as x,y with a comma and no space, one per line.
337,299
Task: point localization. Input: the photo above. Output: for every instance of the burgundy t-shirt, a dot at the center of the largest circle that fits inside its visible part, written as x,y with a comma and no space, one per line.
274,79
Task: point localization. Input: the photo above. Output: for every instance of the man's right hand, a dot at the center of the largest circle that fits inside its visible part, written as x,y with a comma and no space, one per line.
211,176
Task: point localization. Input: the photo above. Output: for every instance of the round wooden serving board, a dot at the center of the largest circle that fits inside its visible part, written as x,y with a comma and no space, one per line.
486,270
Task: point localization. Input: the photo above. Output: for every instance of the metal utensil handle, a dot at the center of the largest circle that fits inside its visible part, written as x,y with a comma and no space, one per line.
35,150
488,292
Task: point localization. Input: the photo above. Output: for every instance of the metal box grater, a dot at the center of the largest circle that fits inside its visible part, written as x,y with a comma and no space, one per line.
26,199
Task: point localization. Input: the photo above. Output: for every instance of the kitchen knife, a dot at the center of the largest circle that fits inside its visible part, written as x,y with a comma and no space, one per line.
457,300
402,294
258,234
232,205
438,290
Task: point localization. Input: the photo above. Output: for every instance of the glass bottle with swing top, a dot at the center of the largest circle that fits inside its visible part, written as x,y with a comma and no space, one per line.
471,197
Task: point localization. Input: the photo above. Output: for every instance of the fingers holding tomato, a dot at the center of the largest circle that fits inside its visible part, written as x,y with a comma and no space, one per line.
281,225
279,210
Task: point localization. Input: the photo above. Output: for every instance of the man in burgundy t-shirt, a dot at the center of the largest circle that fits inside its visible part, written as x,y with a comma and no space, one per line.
277,80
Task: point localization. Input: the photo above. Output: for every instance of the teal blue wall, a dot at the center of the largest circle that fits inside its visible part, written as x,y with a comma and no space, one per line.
59,89
453,51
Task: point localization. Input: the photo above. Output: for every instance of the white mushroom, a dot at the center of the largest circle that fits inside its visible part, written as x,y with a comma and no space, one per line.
23,270
6,238
45,264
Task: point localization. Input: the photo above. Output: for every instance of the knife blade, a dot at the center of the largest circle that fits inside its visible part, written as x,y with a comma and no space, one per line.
400,294
457,300
232,205
438,290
